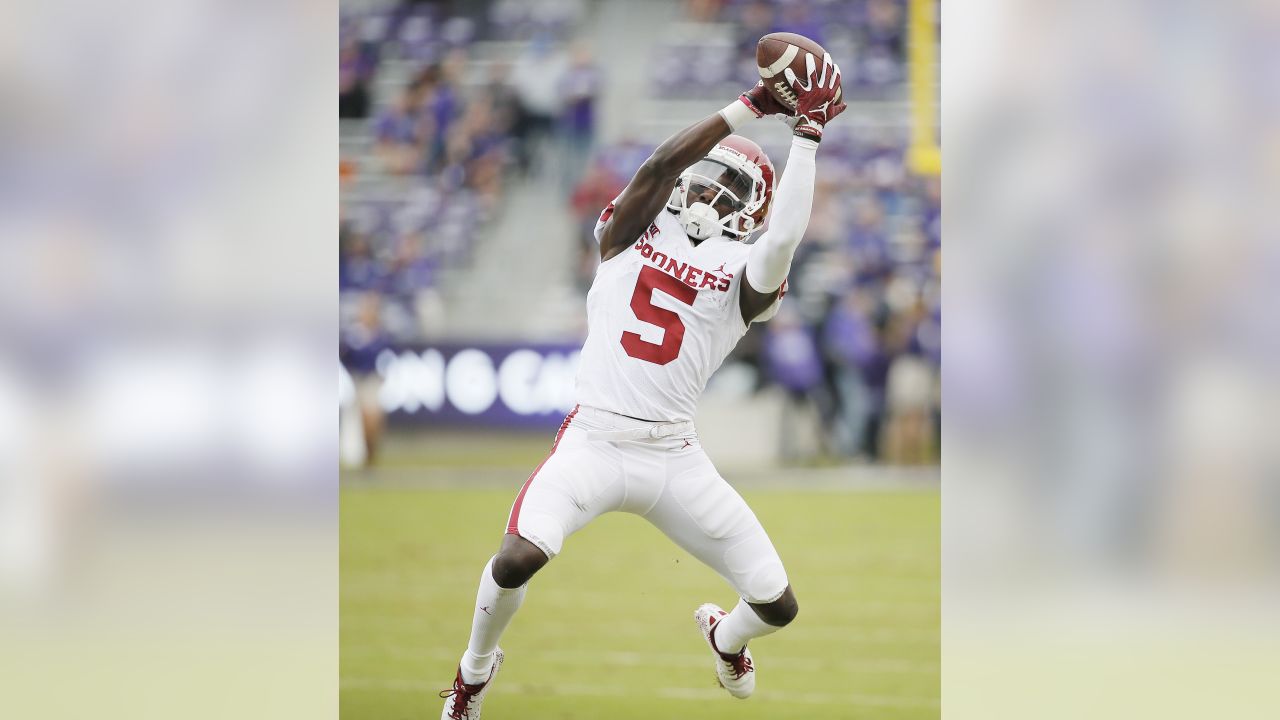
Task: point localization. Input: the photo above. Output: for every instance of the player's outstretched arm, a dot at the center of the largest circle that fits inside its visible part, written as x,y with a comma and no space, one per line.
771,255
649,190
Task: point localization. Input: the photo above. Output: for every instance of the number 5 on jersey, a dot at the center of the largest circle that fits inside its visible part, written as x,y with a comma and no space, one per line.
672,326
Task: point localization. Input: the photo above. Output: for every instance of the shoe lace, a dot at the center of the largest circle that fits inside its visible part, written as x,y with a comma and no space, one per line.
461,695
740,663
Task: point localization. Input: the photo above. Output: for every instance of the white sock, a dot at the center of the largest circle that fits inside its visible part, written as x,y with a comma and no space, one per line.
495,606
740,625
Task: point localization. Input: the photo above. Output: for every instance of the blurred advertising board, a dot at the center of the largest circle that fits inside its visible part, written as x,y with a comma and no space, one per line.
479,385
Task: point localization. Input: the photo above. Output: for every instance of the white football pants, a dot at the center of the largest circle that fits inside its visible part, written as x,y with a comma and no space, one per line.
668,481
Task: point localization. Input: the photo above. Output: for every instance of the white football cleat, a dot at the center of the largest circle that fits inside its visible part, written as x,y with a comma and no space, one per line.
735,672
462,701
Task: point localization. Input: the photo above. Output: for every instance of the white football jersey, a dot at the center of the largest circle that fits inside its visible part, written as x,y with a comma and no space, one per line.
662,315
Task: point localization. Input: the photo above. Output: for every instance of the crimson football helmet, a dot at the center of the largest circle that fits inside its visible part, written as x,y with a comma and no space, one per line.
729,191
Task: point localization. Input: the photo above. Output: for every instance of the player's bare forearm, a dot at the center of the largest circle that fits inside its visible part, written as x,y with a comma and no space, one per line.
648,191
752,302
688,146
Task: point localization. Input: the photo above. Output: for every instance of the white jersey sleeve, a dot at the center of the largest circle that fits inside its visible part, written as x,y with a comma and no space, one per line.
771,255
604,218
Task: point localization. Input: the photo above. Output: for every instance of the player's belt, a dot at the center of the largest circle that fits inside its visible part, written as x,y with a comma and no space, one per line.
653,432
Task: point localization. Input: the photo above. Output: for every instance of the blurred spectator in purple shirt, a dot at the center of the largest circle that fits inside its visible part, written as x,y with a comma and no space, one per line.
403,132
355,69
875,377
535,81
910,390
358,269
884,26
757,21
791,360
931,215
579,87
476,152
797,17
442,102
850,343
410,267
359,345
625,157
879,68
868,242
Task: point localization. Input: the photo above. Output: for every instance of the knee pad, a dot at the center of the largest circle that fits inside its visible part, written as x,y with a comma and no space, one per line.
543,530
756,570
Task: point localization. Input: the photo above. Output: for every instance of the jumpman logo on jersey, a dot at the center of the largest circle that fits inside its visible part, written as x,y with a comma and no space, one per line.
722,271
685,445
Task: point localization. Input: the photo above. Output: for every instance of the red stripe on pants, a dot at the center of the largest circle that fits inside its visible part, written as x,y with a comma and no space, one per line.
515,509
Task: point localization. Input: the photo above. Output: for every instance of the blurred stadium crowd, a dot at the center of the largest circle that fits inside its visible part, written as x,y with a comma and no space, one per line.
866,36
436,127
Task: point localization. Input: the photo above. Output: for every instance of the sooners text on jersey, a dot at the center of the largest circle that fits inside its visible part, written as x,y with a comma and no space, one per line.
661,318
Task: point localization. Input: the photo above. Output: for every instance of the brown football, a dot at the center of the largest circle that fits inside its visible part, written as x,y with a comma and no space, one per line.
776,52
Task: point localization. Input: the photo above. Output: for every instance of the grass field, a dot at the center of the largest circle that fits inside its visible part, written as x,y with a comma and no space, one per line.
606,630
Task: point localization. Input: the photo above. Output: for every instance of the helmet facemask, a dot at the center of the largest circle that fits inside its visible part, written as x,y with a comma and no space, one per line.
718,195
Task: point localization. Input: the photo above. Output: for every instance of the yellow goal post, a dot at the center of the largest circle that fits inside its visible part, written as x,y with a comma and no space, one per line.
924,157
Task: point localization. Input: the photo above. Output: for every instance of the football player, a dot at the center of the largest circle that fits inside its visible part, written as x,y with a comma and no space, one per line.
676,289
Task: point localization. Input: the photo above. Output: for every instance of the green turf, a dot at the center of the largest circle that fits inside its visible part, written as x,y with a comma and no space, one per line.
607,630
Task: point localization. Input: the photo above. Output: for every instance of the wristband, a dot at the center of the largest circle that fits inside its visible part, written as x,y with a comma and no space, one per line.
736,114
804,144
808,130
